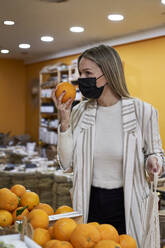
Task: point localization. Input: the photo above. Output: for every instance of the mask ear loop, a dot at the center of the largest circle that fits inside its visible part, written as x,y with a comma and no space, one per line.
100,76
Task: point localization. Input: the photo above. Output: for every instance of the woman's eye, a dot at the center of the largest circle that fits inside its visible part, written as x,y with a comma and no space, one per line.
88,73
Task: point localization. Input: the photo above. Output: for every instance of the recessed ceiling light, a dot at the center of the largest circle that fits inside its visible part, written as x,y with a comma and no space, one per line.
163,1
77,29
9,23
47,38
4,51
24,46
115,17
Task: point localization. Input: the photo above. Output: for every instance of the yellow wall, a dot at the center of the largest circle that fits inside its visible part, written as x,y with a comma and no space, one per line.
144,70
145,74
12,96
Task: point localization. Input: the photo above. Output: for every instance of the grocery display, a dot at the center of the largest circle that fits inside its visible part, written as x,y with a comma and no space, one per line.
54,228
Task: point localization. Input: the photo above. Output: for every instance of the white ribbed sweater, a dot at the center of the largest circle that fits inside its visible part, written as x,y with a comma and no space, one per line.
108,148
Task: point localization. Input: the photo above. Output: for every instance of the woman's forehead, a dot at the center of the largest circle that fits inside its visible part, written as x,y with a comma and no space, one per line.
85,64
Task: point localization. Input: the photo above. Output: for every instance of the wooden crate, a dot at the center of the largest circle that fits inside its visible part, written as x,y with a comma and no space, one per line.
78,217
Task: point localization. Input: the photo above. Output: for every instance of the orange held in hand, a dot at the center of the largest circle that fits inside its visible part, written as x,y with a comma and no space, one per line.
70,91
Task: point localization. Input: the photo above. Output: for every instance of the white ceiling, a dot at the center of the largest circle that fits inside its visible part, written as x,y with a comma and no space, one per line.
35,18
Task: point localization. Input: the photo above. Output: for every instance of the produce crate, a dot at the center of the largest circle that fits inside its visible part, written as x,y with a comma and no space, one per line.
78,217
14,239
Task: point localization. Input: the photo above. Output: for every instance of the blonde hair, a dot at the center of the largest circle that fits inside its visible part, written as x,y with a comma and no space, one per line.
110,63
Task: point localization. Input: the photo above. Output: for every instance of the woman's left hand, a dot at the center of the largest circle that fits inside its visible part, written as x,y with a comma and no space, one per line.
153,167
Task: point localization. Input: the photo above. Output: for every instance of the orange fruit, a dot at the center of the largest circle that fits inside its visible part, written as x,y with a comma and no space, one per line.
30,199
63,244
41,236
57,244
20,216
46,207
63,228
18,189
38,218
84,236
6,218
126,241
51,243
107,244
70,91
51,231
108,232
64,209
9,200
94,224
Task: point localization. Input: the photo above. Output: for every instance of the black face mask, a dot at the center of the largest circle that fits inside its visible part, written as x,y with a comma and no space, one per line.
88,87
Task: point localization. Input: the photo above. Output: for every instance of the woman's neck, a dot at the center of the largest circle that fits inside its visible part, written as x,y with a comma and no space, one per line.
107,98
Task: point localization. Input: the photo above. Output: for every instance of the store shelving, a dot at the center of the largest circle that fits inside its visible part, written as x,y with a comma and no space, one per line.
50,76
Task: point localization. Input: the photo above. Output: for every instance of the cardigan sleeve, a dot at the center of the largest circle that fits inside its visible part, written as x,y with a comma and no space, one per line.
65,147
152,140
65,144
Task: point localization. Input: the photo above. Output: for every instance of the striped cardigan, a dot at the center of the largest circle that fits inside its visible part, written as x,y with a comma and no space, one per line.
141,139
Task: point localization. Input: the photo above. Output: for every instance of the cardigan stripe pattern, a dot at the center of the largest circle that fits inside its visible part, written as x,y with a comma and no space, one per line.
141,139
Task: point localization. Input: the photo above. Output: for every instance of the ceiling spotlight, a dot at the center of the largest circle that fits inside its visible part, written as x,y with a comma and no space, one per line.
24,46
163,1
47,38
77,29
5,51
115,17
9,23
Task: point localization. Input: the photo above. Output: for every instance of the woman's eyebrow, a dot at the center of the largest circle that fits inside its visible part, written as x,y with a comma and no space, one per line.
86,69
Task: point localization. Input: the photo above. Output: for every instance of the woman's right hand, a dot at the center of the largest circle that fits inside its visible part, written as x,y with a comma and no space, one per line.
64,109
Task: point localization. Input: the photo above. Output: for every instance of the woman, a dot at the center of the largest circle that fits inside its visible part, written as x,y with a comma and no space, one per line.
109,140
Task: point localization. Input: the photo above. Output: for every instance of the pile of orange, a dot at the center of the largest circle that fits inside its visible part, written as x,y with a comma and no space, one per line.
70,91
17,202
65,232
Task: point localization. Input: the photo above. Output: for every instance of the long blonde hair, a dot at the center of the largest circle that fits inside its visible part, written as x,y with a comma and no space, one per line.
110,63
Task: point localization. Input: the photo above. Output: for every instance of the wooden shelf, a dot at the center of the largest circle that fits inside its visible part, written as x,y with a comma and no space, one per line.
50,128
46,99
43,87
48,115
